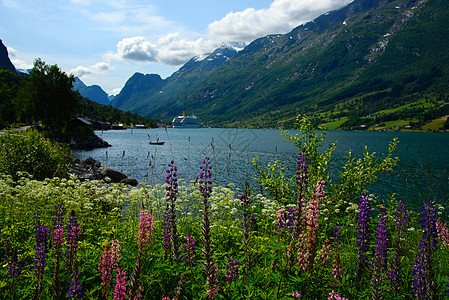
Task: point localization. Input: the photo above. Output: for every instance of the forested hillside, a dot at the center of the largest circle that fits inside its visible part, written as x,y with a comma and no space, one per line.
385,60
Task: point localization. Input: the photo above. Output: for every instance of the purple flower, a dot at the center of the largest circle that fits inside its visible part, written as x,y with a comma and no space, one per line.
401,222
75,289
302,178
205,178
423,283
380,259
41,245
363,227
285,221
362,237
189,250
73,233
302,173
232,273
172,234
14,266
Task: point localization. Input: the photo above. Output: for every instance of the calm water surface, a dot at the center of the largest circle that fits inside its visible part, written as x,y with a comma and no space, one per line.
421,173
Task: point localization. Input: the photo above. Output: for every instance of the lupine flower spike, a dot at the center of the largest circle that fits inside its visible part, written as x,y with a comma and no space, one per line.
58,240
171,191
362,237
146,229
424,285
109,264
209,265
41,251
337,270
189,251
380,258
394,272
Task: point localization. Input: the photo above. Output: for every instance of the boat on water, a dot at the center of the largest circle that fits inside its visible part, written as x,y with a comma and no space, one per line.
186,121
157,143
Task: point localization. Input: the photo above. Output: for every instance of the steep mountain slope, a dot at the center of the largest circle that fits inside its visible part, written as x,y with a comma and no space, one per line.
367,56
5,62
92,92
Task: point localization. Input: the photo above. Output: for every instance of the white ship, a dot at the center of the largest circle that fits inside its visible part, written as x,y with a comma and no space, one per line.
186,121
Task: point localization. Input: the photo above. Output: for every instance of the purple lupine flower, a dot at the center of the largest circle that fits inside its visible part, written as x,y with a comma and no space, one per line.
232,273
363,226
41,251
41,244
209,265
58,240
189,250
362,237
337,270
302,178
205,178
302,173
73,233
401,223
380,258
172,190
423,283
75,289
285,221
14,270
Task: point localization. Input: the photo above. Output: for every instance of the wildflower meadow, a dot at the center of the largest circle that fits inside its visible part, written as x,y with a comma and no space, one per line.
305,237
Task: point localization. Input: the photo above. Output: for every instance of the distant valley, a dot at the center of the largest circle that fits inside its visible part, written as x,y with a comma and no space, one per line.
354,68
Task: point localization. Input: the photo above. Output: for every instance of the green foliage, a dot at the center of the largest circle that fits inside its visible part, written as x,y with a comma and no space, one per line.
30,152
52,99
271,261
355,176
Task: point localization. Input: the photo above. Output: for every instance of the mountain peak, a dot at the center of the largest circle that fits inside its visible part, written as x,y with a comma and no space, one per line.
5,62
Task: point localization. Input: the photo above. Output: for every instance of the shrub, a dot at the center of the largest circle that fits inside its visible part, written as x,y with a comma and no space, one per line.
32,153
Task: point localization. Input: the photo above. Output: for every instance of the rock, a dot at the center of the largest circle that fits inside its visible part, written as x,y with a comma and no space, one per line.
91,162
91,169
114,175
129,181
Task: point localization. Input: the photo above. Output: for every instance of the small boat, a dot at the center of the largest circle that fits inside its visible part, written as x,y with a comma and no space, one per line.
157,143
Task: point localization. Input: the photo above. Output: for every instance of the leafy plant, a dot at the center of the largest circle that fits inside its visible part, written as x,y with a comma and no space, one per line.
32,153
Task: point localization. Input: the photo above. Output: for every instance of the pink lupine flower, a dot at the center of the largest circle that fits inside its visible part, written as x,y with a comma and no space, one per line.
146,228
108,264
120,286
443,234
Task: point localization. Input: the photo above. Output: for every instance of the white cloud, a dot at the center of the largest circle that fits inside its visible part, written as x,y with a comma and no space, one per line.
170,50
98,68
137,49
281,17
175,51
244,26
18,63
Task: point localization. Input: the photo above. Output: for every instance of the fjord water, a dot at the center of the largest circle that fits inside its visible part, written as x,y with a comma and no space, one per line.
421,172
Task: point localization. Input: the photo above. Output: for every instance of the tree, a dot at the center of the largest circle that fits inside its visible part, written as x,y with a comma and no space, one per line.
52,99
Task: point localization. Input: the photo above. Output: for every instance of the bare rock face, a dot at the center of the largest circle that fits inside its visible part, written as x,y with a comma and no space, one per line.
5,62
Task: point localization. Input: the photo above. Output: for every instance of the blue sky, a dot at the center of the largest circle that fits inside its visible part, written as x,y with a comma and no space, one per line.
105,42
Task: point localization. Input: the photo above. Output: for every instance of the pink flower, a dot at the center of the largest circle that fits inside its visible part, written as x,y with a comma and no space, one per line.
146,228
120,286
296,295
335,296
109,263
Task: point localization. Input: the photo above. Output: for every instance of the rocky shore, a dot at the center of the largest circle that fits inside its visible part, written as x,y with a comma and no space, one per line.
91,169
